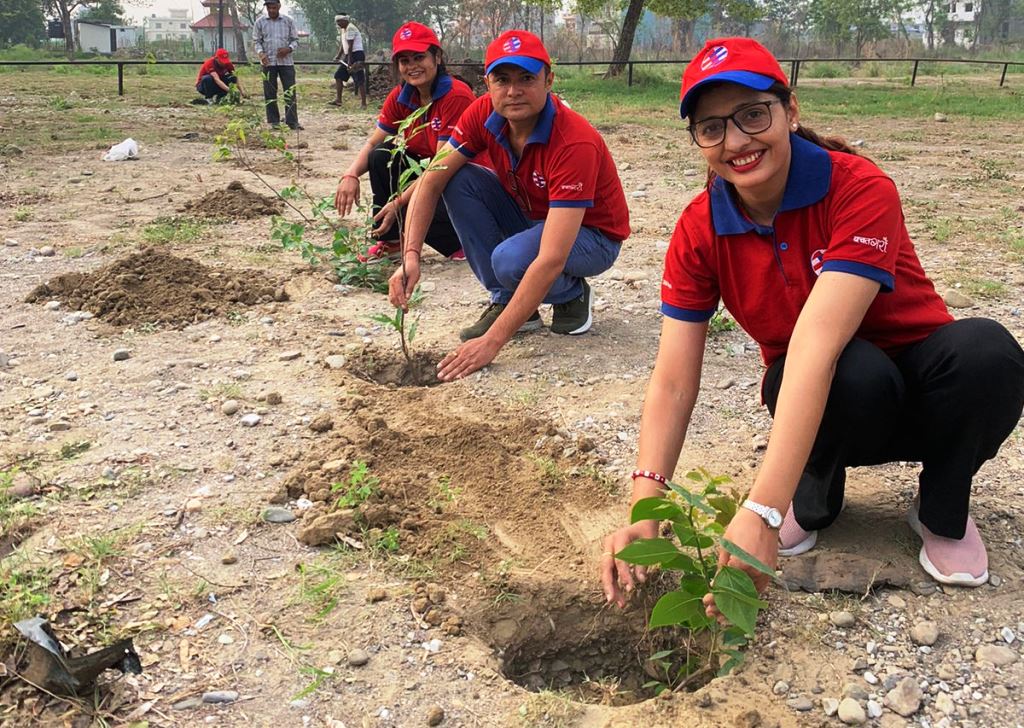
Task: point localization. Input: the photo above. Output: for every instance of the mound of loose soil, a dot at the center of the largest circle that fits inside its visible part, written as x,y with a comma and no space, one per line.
461,488
234,202
155,287
393,369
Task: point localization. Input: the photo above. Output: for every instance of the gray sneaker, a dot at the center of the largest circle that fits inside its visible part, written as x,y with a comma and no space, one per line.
575,316
489,316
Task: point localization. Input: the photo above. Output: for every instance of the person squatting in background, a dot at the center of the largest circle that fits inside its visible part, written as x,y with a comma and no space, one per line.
216,76
418,63
804,242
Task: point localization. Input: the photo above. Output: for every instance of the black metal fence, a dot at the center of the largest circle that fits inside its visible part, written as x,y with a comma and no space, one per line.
795,64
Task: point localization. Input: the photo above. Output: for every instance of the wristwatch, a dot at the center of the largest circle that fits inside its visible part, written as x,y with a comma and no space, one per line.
770,515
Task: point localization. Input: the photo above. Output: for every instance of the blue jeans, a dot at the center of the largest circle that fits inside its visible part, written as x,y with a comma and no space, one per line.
501,242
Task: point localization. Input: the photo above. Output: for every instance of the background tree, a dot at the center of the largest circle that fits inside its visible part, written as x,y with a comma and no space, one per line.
104,11
21,21
377,19
62,9
236,29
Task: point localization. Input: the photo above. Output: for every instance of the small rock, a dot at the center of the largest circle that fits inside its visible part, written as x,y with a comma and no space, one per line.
896,601
230,406
59,426
781,687
870,678
851,713
924,633
193,505
830,706
226,639
725,383
995,580
1007,634
759,442
841,619
690,172
187,704
289,355
122,354
435,715
905,698
335,361
322,423
944,703
361,331
638,194
855,691
11,243
635,276
428,286
220,696
998,655
71,376
278,515
229,558
358,658
857,143
376,595
940,117
250,420
52,305
874,709
801,704
47,251
955,299
273,398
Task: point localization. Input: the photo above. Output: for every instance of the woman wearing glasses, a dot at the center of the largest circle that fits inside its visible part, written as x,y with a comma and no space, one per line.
419,62
804,242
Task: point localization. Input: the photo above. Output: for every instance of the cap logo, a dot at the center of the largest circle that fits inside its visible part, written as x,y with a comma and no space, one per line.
512,45
715,57
406,34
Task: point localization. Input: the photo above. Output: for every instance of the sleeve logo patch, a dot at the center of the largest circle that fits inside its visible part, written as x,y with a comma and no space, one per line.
577,187
879,244
538,179
817,260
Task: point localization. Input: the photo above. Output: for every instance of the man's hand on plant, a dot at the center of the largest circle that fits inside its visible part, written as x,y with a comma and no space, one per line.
472,355
385,218
347,194
403,282
748,531
618,579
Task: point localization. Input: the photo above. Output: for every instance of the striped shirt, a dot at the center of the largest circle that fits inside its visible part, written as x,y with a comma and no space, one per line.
270,35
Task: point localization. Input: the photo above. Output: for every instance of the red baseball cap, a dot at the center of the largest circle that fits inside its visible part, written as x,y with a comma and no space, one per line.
414,37
729,60
222,55
518,47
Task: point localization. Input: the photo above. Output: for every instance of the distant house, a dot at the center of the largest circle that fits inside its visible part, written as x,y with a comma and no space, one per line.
106,38
173,26
205,37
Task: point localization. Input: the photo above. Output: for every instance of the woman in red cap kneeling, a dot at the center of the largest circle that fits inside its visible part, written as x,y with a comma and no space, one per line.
216,76
418,62
805,244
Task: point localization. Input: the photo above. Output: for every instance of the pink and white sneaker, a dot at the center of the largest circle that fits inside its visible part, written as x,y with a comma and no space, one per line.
793,540
458,256
960,562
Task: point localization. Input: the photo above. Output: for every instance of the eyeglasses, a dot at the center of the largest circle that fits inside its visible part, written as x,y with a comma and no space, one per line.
522,197
751,119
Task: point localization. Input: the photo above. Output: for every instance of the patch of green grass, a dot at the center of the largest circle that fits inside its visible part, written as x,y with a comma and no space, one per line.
551,475
992,169
24,592
444,493
721,322
73,252
986,288
321,586
71,450
166,230
22,214
227,390
14,512
940,228
360,486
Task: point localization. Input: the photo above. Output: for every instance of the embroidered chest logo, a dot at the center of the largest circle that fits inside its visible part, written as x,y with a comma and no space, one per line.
512,44
715,57
435,123
538,179
817,259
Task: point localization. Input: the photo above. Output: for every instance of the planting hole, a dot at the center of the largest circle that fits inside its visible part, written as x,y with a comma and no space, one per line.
394,370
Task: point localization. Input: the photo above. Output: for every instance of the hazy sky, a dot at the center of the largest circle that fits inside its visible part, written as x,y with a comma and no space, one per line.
138,9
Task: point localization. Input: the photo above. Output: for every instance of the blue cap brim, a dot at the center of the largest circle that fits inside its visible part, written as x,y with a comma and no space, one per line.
525,62
749,79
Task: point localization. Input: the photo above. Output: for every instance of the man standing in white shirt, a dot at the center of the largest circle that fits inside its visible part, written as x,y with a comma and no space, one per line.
352,56
275,39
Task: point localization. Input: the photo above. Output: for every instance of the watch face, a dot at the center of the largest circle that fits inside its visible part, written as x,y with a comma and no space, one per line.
774,518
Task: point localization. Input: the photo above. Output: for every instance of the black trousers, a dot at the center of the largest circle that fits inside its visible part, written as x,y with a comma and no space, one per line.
209,88
291,111
948,401
385,170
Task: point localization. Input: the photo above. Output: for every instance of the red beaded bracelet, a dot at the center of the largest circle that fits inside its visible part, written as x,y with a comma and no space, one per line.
657,477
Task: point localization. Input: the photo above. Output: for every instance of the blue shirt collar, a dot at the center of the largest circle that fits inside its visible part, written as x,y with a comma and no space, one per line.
410,97
541,133
810,176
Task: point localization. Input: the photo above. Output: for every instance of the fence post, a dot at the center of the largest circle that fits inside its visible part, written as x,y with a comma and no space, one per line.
120,79
629,81
913,76
1002,78
796,78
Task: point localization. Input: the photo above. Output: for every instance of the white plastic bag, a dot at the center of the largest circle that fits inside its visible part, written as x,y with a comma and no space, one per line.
128,149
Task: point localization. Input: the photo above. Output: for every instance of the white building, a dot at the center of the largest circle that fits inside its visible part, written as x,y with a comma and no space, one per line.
105,38
172,26
960,16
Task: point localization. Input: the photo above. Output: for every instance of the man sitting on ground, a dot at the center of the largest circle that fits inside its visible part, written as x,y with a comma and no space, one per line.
551,214
216,76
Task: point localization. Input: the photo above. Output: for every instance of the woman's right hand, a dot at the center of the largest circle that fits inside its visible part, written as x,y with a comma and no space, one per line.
617,577
347,194
403,282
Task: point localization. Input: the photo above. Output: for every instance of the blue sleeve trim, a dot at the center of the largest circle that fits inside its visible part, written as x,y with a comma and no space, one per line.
468,153
883,278
570,203
687,314
385,127
444,139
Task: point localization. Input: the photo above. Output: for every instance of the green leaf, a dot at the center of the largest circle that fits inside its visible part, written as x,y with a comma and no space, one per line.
661,655
682,562
656,508
687,537
648,551
694,500
746,558
726,508
675,608
736,598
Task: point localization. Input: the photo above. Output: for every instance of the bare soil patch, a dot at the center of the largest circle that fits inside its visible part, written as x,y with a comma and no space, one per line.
156,287
392,368
234,202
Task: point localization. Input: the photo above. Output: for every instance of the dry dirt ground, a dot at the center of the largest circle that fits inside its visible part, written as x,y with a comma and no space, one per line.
473,574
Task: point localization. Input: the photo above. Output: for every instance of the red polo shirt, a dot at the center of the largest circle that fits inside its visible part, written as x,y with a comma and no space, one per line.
839,212
565,164
211,65
450,98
